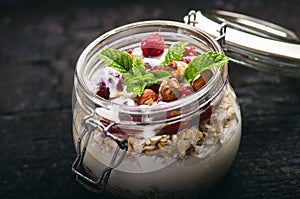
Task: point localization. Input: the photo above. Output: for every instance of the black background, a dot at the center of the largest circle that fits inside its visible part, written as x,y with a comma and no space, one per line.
40,42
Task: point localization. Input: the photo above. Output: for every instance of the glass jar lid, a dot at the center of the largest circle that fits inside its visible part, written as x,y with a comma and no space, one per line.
250,41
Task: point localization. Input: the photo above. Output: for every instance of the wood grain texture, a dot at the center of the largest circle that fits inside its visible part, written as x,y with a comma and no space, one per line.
40,43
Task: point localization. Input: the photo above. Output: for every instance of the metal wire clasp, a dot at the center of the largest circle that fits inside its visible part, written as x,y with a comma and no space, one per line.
192,19
221,38
99,184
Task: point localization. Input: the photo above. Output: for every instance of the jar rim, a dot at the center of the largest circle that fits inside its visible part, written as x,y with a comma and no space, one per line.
174,105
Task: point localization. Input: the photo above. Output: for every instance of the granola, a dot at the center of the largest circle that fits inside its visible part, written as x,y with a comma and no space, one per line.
192,141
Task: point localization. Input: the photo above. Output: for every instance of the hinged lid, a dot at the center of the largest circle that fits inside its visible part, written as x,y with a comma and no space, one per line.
252,42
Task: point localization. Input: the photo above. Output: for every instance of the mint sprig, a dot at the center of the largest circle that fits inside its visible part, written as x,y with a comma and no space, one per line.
175,52
117,59
136,78
203,62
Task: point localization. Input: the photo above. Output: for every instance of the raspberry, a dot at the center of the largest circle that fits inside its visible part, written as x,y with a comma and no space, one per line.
110,83
153,45
114,129
129,51
173,128
190,51
186,90
159,68
186,60
205,115
103,90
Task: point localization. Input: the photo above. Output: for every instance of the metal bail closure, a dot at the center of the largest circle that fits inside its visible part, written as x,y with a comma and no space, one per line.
99,184
250,41
191,18
221,38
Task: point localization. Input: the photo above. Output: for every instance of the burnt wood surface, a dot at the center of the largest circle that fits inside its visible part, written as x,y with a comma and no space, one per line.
40,42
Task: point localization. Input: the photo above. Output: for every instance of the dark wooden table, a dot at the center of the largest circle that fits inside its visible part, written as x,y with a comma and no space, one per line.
40,42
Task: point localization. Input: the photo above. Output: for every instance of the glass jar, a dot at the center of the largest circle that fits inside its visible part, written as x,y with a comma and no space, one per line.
178,149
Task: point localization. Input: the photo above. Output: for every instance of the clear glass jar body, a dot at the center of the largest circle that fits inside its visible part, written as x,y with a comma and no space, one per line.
169,155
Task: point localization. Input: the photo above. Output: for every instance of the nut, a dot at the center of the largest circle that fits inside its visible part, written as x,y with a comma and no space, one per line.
149,148
164,140
170,90
162,144
155,139
148,97
147,142
179,67
198,82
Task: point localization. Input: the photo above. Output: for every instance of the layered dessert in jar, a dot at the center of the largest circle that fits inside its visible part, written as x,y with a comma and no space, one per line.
166,96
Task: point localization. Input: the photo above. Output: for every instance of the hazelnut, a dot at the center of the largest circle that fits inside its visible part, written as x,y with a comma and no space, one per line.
198,82
173,64
170,90
179,67
148,97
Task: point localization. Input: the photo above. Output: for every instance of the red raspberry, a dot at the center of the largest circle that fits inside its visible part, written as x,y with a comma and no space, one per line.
186,90
207,113
186,60
153,45
129,51
103,90
159,68
190,51
172,129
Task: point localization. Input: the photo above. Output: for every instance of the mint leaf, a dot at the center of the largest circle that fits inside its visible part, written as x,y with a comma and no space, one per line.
134,84
160,75
156,76
139,89
149,79
137,62
138,67
203,62
175,52
117,59
190,73
138,79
